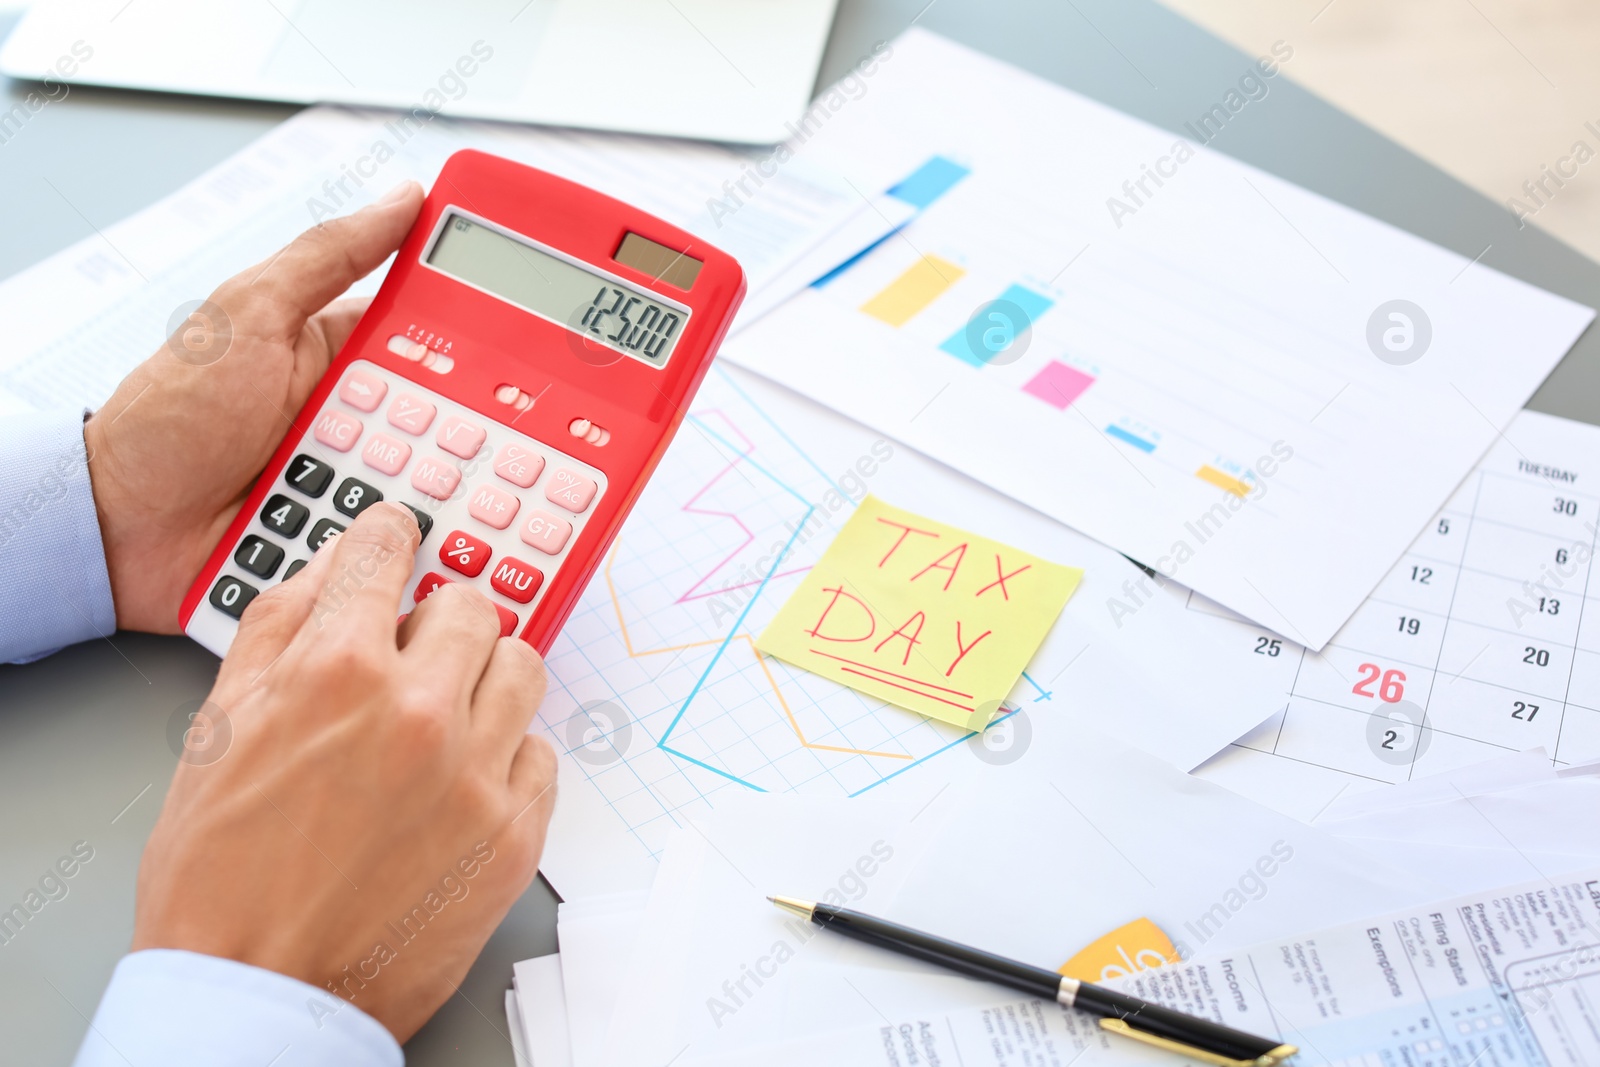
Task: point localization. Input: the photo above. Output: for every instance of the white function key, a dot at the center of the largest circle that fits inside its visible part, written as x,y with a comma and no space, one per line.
337,430
518,464
570,489
545,532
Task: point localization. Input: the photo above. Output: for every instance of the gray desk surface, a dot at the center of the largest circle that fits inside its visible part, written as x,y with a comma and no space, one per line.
83,754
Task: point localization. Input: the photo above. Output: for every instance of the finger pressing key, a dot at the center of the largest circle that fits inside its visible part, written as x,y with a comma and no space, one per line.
370,563
450,636
273,619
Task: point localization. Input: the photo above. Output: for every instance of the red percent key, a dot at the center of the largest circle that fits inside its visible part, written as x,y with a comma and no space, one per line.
465,553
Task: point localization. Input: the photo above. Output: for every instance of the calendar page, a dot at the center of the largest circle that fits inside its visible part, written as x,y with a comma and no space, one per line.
1483,639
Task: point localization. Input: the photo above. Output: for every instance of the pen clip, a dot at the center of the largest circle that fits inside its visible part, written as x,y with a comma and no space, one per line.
1270,1059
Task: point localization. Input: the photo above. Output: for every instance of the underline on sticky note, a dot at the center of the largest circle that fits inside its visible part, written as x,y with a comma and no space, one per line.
907,688
935,619
880,670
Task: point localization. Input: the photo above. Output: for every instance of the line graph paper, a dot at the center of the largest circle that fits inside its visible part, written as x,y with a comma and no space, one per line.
658,698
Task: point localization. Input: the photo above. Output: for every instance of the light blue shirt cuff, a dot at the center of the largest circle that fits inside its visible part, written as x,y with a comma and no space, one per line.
56,591
166,1006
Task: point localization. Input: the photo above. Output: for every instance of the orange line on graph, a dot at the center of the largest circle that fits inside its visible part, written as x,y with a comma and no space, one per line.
794,724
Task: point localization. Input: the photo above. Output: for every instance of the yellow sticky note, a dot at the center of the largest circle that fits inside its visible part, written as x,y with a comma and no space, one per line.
921,614
1137,946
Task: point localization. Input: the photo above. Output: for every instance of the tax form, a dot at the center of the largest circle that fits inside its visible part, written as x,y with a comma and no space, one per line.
1509,977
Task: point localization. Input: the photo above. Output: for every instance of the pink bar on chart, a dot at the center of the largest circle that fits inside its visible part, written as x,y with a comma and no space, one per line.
1058,384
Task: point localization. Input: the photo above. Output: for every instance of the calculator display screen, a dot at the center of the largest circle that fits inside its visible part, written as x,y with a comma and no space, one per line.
610,312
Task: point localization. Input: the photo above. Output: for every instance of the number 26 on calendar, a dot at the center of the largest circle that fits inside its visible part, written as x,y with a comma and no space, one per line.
1391,685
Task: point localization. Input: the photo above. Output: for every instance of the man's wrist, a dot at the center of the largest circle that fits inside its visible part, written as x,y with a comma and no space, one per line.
171,1006
56,591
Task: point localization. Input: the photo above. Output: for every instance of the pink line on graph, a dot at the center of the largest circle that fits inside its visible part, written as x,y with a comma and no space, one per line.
749,447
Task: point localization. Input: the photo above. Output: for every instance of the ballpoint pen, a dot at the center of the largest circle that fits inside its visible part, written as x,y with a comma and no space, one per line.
1118,1013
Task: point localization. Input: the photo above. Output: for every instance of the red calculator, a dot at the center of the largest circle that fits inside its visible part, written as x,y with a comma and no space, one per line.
530,356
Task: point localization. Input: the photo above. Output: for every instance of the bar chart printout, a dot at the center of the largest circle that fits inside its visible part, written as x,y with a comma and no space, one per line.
1158,368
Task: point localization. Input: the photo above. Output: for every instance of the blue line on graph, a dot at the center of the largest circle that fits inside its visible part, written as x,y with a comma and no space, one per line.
853,260
747,461
1133,439
714,770
919,189
1043,694
738,623
944,748
781,432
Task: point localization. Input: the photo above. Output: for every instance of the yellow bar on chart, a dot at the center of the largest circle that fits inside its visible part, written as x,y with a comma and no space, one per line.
914,290
1222,481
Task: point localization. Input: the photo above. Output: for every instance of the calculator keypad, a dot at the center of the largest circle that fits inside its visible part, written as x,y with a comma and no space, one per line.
510,505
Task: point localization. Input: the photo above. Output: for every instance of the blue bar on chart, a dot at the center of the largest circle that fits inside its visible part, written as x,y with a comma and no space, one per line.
1131,438
928,182
979,341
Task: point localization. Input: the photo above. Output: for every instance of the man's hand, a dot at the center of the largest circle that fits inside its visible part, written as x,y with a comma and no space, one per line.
380,805
174,452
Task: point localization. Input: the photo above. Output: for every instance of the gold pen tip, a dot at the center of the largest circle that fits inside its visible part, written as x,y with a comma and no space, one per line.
803,908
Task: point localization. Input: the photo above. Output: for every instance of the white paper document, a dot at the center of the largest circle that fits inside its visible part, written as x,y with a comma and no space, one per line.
1034,866
1473,843
542,1011
1259,392
519,1047
662,707
714,69
1482,640
83,318
597,936
1503,977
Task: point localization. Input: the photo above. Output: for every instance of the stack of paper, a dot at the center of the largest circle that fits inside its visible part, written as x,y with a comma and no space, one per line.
1070,833
713,974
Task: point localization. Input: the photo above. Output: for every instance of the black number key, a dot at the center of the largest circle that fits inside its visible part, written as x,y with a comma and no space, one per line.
258,556
294,568
309,476
283,516
424,522
354,496
232,596
321,531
